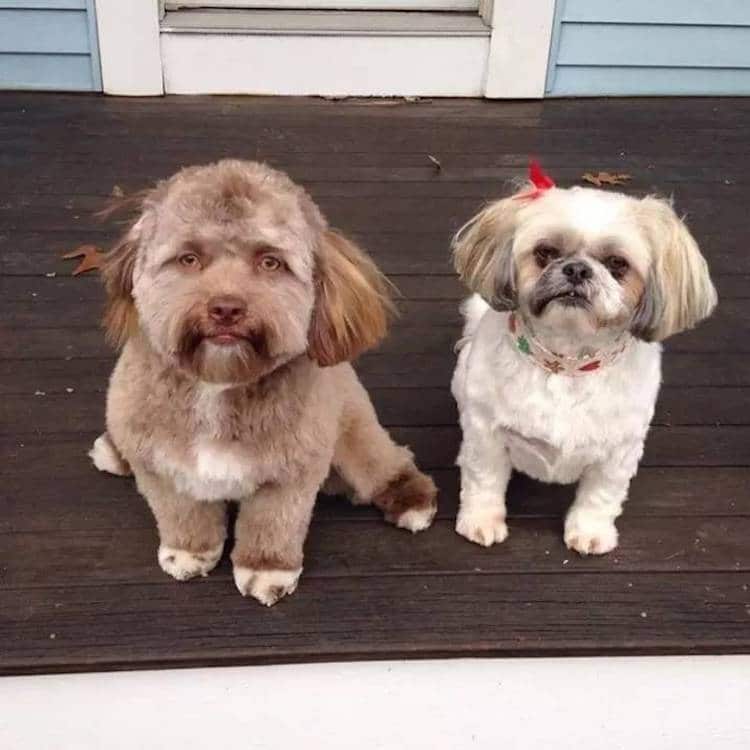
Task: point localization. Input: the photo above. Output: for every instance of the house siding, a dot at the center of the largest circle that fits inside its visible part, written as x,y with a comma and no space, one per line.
49,44
632,47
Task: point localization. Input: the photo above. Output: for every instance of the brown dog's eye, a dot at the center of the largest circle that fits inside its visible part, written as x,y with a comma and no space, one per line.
190,260
616,265
545,254
269,263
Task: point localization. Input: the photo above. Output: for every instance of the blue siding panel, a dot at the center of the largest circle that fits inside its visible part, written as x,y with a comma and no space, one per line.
42,4
632,47
658,46
633,81
46,72
49,44
695,12
54,31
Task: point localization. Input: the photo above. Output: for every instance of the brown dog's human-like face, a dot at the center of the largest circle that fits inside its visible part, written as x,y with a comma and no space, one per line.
231,271
581,260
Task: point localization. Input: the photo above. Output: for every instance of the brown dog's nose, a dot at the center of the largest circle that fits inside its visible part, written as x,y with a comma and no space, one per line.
226,310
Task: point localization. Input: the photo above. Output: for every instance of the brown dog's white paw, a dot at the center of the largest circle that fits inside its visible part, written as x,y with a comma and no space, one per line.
485,526
183,565
417,519
267,586
590,534
107,458
409,500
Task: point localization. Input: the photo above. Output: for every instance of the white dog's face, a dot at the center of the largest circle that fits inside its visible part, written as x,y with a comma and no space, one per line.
585,260
580,260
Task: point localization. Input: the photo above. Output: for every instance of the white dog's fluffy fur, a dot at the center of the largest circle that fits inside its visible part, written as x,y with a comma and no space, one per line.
645,279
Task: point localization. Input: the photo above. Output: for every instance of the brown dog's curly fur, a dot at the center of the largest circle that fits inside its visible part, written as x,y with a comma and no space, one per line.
238,311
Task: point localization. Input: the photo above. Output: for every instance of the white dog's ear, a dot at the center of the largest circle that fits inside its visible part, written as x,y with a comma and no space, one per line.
353,303
483,253
679,292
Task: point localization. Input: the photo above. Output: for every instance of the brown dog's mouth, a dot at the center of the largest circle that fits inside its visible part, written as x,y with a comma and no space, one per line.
225,339
232,337
249,342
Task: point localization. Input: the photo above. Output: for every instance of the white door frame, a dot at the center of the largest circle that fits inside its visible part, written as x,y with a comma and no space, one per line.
131,56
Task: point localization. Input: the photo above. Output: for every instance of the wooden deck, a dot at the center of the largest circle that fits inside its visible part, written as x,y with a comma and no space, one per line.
79,585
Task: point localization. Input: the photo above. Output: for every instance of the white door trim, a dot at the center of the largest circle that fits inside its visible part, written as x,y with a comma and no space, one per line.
129,47
134,61
519,48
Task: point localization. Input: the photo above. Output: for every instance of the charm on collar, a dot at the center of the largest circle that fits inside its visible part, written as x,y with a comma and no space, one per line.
559,364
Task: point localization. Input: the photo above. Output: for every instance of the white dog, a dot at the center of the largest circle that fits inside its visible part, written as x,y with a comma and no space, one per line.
559,366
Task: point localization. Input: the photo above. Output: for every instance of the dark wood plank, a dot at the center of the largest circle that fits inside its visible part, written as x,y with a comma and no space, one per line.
341,548
69,408
205,622
89,375
32,252
434,447
425,328
83,499
91,501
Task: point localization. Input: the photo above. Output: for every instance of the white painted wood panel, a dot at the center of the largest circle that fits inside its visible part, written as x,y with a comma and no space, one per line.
129,47
519,53
324,65
652,703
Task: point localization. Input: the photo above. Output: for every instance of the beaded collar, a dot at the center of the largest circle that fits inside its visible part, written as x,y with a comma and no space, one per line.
559,364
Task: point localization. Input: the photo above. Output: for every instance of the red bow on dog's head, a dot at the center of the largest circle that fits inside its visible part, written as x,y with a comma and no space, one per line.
539,179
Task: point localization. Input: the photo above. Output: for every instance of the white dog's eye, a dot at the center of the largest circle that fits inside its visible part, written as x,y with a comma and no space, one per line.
269,263
190,260
616,265
545,254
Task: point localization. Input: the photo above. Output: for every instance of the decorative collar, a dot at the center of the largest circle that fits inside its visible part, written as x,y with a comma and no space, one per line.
559,364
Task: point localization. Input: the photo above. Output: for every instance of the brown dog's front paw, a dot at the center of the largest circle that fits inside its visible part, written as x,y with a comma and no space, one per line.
409,500
183,565
267,586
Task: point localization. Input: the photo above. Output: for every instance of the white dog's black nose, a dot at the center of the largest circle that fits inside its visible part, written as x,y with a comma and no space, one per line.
226,310
577,271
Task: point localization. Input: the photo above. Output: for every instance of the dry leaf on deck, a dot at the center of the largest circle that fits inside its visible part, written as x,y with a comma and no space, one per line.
606,178
91,258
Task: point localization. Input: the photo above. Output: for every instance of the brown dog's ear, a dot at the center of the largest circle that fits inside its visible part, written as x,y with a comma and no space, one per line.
120,316
352,306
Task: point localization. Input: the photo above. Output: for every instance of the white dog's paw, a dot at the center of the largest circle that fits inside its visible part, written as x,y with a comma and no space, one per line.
182,565
107,458
416,519
267,586
590,534
482,526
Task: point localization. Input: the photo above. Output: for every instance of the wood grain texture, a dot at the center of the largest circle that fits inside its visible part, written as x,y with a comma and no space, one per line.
79,585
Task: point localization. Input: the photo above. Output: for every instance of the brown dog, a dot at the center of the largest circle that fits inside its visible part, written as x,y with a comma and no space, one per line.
238,310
